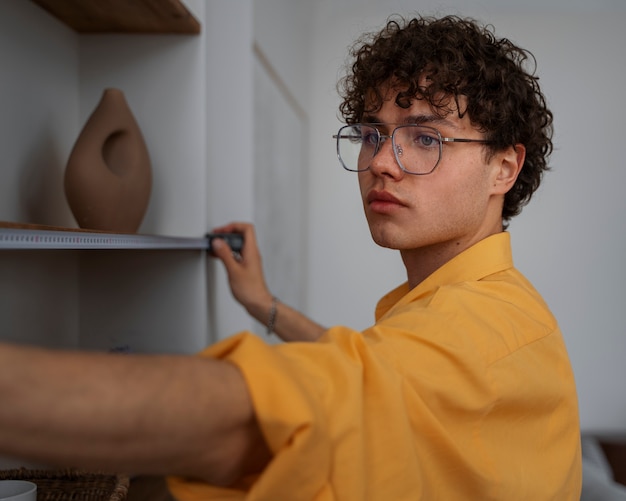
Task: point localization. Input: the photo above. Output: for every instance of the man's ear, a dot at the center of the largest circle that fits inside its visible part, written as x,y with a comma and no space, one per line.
508,167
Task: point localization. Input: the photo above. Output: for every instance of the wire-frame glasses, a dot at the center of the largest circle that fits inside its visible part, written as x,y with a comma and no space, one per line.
417,148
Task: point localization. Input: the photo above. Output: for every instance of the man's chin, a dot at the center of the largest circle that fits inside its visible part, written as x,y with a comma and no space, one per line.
385,241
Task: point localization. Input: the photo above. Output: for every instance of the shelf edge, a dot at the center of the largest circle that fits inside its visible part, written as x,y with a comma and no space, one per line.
36,239
121,16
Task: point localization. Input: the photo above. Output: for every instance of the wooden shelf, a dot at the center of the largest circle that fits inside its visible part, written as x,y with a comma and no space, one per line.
36,237
123,16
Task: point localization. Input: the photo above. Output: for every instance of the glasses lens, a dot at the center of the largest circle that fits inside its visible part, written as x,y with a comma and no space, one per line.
417,148
356,146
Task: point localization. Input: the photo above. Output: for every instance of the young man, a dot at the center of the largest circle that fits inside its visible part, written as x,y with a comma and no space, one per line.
461,390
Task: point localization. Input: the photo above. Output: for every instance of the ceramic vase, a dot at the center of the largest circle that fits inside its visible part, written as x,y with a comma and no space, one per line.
108,177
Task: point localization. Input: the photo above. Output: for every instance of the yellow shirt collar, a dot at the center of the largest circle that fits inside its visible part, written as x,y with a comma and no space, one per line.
490,255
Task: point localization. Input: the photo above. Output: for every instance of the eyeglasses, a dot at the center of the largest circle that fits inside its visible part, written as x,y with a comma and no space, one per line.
417,148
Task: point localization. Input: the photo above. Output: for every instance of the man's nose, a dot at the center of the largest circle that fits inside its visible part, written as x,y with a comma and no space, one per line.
384,161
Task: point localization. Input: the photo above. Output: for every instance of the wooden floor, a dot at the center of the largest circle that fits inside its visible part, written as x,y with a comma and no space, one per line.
148,489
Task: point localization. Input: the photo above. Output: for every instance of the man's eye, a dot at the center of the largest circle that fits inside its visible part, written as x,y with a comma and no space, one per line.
426,141
369,138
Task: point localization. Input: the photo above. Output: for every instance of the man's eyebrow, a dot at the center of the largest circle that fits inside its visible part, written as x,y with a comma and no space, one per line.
431,120
422,119
370,119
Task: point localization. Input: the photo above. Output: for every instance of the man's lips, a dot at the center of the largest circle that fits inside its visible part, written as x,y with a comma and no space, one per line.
382,201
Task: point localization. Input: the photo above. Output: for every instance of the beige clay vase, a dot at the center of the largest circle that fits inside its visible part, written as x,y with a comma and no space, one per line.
108,177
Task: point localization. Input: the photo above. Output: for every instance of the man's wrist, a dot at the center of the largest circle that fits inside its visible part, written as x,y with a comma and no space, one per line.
271,320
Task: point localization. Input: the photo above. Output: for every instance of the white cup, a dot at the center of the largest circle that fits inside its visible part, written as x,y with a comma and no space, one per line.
18,490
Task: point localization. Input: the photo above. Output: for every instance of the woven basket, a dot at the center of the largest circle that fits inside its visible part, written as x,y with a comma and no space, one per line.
66,485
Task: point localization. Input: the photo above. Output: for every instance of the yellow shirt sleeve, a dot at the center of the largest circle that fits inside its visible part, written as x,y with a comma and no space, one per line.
346,420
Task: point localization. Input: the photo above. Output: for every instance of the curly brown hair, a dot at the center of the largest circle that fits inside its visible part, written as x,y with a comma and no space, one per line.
459,58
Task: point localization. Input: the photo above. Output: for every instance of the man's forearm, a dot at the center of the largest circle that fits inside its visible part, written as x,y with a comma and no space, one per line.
139,414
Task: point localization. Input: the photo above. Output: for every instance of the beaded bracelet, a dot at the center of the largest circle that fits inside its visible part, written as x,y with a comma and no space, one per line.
272,318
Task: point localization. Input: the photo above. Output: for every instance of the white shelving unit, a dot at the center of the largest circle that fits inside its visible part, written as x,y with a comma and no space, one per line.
64,287
157,291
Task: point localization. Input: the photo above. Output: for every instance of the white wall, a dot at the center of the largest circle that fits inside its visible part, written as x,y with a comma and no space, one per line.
283,29
571,239
281,124
37,134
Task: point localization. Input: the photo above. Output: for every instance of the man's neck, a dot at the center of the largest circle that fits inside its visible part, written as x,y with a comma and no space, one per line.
422,262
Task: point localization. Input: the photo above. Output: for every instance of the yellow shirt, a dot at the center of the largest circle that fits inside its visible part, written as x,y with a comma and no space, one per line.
462,390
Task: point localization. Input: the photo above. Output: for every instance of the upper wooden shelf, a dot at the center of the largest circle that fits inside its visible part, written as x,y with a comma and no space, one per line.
123,16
